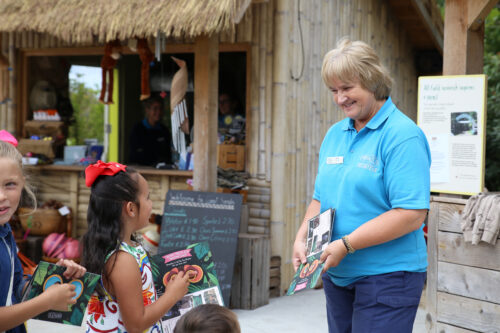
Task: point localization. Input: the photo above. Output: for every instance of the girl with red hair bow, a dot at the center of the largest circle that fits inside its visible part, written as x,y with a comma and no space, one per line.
127,302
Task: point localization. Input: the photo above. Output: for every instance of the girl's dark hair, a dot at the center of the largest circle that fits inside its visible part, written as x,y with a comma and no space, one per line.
208,318
108,194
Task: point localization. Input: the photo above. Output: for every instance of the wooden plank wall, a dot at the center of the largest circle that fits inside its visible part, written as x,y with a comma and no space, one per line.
462,279
69,188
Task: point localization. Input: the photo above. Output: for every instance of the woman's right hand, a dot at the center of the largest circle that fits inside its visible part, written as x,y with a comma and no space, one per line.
299,246
178,285
299,253
60,296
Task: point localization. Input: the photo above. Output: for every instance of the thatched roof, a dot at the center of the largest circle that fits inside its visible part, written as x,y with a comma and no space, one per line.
84,20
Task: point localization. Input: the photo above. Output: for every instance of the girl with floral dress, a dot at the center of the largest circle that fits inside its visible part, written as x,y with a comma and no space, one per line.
126,300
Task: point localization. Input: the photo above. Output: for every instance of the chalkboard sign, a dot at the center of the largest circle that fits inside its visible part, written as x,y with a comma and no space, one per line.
191,217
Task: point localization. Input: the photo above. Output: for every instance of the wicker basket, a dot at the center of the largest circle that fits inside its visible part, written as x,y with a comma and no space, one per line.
43,221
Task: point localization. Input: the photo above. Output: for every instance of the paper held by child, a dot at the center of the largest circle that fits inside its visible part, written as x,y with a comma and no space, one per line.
319,232
48,274
196,260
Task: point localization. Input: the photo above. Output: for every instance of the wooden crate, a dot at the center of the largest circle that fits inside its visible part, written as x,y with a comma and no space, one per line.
250,286
44,128
462,279
243,193
275,277
36,147
231,157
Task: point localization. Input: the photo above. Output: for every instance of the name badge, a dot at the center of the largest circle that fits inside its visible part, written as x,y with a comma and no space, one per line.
335,160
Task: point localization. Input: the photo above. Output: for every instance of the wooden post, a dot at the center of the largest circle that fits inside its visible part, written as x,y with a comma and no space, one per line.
464,35
11,112
279,137
206,81
73,192
432,257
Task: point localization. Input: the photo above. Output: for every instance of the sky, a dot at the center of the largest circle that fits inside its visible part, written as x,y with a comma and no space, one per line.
91,76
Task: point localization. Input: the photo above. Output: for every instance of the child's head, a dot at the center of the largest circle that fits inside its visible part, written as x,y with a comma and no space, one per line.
208,318
12,181
114,189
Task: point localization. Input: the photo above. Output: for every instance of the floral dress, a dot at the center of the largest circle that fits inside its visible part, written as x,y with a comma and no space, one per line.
103,311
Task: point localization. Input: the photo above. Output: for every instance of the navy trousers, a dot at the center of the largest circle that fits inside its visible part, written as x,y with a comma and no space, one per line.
374,304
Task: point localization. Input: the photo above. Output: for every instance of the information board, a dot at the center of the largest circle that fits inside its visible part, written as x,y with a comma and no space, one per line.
192,217
452,114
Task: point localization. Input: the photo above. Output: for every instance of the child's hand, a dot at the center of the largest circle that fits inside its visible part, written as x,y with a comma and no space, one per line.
60,296
178,286
73,270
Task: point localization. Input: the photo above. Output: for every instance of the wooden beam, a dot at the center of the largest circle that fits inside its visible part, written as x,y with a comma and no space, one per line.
477,12
475,51
463,47
429,24
206,86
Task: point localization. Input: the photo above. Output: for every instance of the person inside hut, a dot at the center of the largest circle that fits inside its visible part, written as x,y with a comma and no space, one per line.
231,122
150,140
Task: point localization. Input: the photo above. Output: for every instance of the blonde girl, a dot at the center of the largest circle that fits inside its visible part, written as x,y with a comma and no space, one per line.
12,187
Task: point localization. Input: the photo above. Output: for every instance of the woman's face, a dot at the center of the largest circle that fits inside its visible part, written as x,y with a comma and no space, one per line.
358,103
11,188
154,113
225,104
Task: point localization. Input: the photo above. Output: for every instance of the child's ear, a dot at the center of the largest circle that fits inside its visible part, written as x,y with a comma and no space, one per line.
130,209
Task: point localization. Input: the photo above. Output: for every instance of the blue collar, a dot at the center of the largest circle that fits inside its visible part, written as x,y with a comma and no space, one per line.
148,126
377,120
5,230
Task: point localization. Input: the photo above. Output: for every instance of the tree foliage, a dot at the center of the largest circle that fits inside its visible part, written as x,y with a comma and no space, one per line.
88,112
492,70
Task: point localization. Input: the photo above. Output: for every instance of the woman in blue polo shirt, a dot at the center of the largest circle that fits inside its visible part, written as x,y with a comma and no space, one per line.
374,170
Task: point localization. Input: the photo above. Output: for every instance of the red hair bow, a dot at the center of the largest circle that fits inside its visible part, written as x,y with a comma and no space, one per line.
7,137
100,168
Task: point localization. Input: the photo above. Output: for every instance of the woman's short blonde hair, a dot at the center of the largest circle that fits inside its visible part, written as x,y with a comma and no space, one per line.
356,61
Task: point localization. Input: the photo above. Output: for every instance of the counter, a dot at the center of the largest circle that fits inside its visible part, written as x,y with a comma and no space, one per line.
66,183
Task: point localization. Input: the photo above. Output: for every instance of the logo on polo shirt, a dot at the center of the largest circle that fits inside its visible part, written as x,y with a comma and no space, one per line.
368,162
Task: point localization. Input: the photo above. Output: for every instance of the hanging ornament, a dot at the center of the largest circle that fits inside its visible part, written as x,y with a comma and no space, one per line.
163,93
178,109
159,45
146,57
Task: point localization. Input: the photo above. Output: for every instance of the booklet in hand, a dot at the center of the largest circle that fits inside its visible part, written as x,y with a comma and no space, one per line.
197,261
319,232
48,274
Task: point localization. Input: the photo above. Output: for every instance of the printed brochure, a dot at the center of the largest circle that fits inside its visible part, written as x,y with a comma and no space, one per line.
48,274
319,232
204,287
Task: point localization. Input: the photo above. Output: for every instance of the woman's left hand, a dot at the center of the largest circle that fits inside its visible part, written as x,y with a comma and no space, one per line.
73,270
333,254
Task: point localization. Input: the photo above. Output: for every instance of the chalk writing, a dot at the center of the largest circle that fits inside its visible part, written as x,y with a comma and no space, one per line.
191,217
